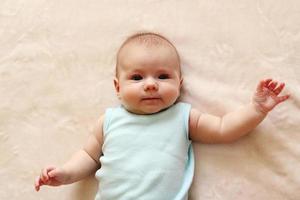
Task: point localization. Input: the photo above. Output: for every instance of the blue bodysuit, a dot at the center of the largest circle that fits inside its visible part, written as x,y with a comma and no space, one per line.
147,157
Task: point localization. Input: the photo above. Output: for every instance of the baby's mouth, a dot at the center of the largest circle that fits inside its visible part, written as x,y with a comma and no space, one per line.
150,98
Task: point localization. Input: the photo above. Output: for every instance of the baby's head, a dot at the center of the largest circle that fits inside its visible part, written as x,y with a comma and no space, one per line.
148,76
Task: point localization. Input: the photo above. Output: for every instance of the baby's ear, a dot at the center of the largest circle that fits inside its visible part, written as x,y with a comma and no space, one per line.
181,83
117,86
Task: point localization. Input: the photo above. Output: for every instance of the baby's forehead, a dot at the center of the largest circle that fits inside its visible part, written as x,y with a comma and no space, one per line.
149,42
139,54
133,49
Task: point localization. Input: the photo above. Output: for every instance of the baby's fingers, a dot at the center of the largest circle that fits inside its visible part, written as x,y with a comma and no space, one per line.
44,178
272,85
44,173
267,82
38,183
279,88
282,98
263,84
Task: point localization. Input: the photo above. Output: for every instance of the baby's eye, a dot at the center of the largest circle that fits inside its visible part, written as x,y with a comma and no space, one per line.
136,77
163,76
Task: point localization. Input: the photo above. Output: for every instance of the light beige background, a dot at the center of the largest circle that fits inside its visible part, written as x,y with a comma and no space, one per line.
57,66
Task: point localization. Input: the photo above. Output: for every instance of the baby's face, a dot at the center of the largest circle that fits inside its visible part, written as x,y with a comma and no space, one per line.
148,78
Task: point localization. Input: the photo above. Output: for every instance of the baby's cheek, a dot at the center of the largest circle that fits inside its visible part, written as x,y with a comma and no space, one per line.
172,93
130,95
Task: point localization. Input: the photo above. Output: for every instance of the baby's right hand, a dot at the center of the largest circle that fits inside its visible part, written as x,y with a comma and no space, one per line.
51,176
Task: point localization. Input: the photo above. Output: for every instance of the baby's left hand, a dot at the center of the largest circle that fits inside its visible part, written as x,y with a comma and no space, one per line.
267,95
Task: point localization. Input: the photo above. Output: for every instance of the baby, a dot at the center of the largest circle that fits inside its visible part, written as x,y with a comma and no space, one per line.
142,149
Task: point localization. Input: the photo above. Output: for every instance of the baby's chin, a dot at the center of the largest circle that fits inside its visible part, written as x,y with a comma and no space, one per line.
146,111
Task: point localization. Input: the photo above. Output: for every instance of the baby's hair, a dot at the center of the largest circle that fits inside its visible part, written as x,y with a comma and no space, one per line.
148,39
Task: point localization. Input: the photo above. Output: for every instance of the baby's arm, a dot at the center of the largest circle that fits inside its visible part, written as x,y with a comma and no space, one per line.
82,164
212,129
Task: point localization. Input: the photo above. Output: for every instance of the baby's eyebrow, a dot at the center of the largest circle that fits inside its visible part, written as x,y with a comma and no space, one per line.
133,71
166,69
163,72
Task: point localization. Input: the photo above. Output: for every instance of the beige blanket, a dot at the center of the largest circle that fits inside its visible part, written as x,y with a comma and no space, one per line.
56,71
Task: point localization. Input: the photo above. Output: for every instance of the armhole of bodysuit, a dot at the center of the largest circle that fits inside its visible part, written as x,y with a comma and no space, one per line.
107,119
186,109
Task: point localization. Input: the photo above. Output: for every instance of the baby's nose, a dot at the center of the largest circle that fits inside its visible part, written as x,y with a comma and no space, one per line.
150,84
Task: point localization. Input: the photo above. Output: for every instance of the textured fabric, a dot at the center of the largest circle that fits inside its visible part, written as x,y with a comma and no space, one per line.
146,156
57,64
